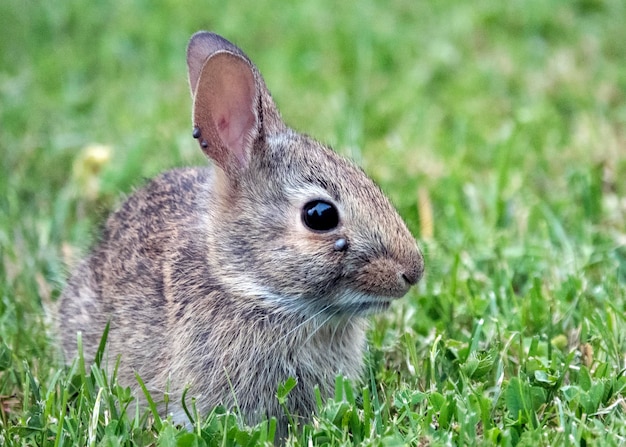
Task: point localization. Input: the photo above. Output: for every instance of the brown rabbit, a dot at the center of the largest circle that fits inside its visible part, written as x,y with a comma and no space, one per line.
234,278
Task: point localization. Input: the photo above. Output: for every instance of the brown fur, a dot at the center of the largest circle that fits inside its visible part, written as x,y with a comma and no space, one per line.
209,277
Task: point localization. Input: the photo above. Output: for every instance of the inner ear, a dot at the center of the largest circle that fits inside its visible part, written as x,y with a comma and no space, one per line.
225,110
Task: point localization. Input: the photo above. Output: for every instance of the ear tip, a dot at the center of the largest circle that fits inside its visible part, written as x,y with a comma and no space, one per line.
197,41
206,42
202,46
200,37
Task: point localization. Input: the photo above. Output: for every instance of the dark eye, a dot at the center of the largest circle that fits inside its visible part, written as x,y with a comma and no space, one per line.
320,216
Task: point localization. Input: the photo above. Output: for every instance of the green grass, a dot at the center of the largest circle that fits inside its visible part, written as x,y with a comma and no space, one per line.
498,128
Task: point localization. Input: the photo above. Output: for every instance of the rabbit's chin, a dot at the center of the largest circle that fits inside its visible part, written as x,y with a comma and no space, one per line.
346,303
343,305
360,304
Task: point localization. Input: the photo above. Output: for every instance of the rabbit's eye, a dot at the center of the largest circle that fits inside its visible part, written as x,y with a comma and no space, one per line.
320,216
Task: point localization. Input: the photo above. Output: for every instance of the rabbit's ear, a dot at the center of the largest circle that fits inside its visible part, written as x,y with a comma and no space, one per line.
232,108
203,45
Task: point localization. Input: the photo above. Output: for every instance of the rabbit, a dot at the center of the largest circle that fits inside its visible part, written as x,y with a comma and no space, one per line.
233,278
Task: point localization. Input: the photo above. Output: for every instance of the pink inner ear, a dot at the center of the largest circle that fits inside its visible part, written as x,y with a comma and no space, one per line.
225,107
235,120
223,124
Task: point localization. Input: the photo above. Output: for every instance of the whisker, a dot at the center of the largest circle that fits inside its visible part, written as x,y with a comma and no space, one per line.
349,321
319,327
291,331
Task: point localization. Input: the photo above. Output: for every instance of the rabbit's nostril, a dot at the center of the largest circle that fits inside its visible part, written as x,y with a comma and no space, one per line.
413,269
412,276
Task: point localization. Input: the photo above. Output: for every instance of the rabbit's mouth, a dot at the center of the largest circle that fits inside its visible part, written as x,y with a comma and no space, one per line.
359,303
369,307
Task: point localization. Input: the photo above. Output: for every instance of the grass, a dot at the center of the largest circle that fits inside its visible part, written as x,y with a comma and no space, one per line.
496,127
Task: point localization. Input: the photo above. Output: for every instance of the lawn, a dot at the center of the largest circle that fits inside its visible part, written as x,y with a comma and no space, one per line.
497,128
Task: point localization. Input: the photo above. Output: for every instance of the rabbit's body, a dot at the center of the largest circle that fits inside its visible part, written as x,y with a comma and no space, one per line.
233,279
223,341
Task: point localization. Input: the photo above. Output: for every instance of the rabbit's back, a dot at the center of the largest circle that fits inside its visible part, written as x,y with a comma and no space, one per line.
122,280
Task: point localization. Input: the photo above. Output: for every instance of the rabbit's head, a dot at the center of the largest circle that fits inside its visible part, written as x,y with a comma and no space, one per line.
292,223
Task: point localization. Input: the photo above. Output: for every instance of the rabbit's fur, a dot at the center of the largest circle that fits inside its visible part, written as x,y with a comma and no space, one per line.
210,277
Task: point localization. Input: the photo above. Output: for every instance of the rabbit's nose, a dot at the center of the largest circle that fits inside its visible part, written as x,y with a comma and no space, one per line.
410,279
414,270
